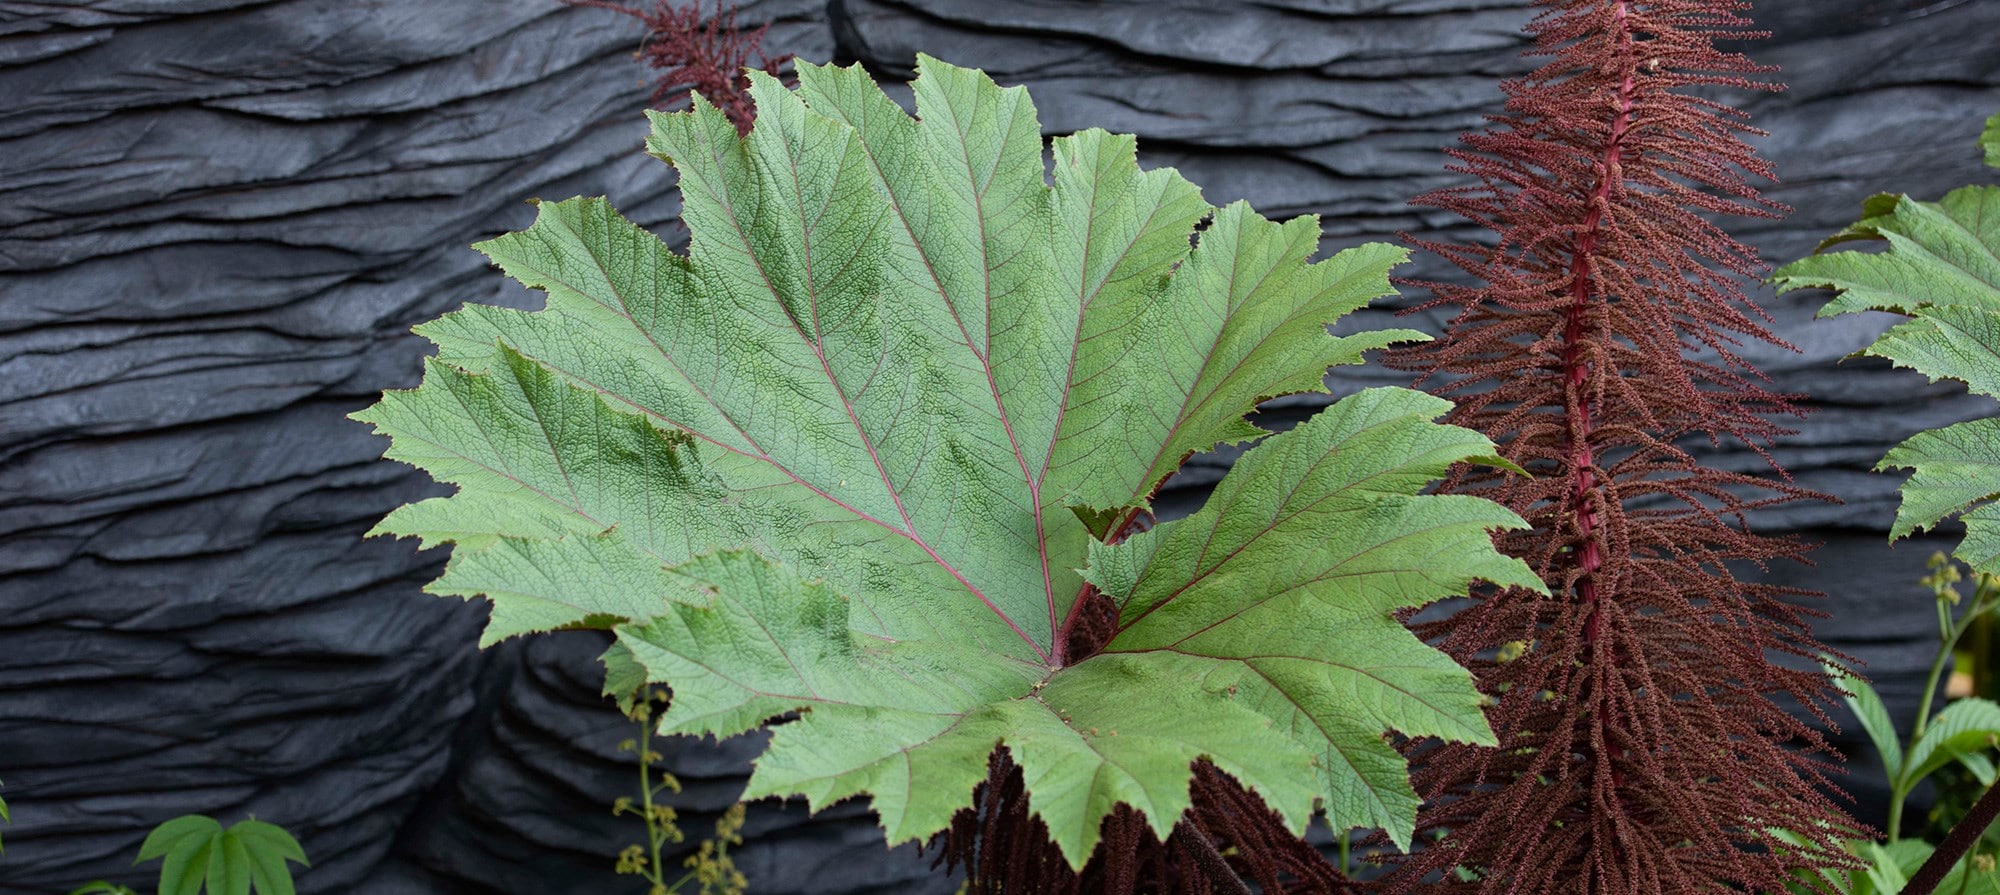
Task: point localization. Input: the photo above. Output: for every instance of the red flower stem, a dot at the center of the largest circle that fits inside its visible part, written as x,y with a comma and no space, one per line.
1577,371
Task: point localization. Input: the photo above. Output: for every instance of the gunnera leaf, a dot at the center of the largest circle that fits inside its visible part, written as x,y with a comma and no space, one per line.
860,453
1940,267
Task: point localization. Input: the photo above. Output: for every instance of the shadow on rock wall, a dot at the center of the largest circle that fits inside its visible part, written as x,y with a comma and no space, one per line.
221,217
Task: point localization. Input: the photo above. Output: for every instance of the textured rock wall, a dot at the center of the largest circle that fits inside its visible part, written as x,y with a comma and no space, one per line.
219,218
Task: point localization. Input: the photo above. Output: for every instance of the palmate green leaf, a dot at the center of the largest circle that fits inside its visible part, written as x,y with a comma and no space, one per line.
855,454
200,855
1941,266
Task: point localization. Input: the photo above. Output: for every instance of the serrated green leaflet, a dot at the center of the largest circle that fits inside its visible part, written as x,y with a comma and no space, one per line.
856,453
1942,268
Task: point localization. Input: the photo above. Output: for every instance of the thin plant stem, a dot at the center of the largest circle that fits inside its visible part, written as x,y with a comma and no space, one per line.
654,835
1952,631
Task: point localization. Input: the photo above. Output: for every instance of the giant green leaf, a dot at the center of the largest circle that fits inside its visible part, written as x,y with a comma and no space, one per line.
1940,265
857,453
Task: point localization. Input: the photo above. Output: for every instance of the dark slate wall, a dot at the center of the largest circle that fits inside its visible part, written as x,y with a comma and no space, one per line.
219,218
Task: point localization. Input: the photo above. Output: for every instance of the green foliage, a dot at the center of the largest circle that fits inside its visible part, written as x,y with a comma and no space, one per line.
1887,868
1941,266
857,454
199,855
4,818
1964,732
1967,732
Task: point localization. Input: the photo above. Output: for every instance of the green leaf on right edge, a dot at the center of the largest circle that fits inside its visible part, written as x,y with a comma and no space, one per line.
856,455
1941,267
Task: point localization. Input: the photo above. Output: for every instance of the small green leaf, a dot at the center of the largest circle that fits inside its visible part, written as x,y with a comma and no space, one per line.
269,839
1980,766
269,875
624,677
175,833
1874,716
248,857
1965,726
228,867
265,849
1890,866
100,887
187,864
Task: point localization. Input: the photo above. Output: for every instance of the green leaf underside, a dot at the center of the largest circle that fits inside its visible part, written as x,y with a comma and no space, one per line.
850,454
1941,267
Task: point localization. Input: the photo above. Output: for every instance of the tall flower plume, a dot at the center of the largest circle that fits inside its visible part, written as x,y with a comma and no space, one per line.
1644,747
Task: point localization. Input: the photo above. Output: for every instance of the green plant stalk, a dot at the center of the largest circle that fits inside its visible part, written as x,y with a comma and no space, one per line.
1951,631
654,835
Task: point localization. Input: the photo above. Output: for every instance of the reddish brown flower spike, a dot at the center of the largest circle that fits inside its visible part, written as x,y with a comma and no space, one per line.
1643,749
699,53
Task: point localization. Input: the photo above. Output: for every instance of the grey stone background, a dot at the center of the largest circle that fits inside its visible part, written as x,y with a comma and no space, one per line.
219,219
